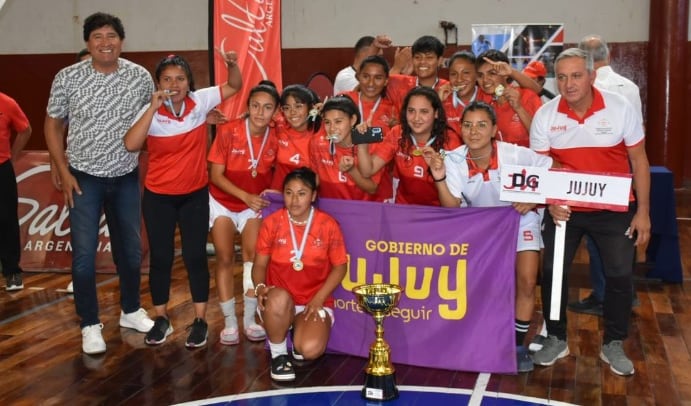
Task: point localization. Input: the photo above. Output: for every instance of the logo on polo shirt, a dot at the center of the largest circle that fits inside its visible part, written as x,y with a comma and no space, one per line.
557,128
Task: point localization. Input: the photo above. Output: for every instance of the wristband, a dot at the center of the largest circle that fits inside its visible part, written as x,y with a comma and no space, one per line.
256,288
439,180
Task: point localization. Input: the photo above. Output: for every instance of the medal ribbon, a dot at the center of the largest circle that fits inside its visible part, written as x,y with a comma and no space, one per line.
457,100
374,109
298,252
255,162
434,85
427,144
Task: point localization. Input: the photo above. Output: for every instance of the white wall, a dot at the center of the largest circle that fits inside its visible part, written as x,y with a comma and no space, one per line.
54,26
339,23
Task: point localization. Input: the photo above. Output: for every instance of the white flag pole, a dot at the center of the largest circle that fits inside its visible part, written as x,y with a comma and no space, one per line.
557,269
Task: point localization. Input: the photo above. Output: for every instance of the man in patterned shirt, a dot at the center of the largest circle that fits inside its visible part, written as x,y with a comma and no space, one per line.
101,96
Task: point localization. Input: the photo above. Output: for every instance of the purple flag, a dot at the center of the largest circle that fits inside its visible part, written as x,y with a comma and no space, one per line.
457,271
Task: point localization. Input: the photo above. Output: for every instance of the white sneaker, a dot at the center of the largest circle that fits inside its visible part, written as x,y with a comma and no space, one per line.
138,320
70,287
92,340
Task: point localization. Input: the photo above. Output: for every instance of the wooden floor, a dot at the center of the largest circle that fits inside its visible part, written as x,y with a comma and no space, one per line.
41,360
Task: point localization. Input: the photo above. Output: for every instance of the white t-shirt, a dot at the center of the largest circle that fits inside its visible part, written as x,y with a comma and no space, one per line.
608,79
482,190
345,80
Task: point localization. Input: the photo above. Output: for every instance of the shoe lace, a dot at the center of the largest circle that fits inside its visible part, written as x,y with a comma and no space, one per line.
284,364
197,328
616,349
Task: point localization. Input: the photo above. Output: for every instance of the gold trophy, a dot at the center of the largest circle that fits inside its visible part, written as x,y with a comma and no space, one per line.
380,379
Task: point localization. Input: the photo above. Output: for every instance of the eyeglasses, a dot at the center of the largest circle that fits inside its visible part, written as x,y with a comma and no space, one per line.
480,125
295,107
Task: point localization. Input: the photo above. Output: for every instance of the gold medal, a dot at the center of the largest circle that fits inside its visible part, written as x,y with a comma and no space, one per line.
417,152
297,265
254,173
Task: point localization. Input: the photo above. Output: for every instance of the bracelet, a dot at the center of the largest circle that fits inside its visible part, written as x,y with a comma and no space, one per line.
256,288
439,180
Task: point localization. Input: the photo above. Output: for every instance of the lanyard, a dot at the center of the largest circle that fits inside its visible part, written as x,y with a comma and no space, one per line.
457,100
297,253
374,109
434,86
417,151
254,162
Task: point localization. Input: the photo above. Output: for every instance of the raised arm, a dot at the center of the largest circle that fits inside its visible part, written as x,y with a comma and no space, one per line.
136,136
367,163
234,82
437,169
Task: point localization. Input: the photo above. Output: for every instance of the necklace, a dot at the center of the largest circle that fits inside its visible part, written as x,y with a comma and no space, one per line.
475,158
296,222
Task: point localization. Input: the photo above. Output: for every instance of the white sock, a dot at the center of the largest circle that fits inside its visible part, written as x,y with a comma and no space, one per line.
278,349
250,308
228,309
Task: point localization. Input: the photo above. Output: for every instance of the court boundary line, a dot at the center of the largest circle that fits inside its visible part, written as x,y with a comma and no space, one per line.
353,388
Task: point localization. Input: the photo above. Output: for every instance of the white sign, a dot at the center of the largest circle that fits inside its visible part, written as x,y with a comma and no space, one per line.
560,186
564,187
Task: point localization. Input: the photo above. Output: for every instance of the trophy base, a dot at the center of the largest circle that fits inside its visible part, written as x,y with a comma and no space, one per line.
380,387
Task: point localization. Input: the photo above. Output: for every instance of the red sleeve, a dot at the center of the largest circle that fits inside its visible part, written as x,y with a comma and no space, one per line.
530,101
218,153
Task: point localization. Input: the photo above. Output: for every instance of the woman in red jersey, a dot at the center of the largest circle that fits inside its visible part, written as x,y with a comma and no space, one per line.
515,106
300,122
242,158
423,123
301,259
462,88
376,110
175,189
333,155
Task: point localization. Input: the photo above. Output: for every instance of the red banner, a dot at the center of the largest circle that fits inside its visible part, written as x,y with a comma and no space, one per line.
44,220
252,28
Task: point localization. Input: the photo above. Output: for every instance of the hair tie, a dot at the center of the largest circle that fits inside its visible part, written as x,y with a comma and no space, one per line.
313,114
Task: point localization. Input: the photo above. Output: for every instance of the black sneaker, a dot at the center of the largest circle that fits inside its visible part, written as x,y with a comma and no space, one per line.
14,282
159,331
198,333
282,369
589,305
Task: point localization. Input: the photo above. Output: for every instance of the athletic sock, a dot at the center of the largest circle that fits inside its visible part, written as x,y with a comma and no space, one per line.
521,330
278,349
228,309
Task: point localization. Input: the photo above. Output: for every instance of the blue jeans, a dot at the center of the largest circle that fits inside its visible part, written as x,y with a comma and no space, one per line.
119,198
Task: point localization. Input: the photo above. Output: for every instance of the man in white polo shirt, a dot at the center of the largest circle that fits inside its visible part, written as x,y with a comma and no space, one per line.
605,79
591,130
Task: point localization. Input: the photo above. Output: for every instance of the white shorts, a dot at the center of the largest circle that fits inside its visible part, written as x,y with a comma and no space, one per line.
301,308
529,236
217,210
